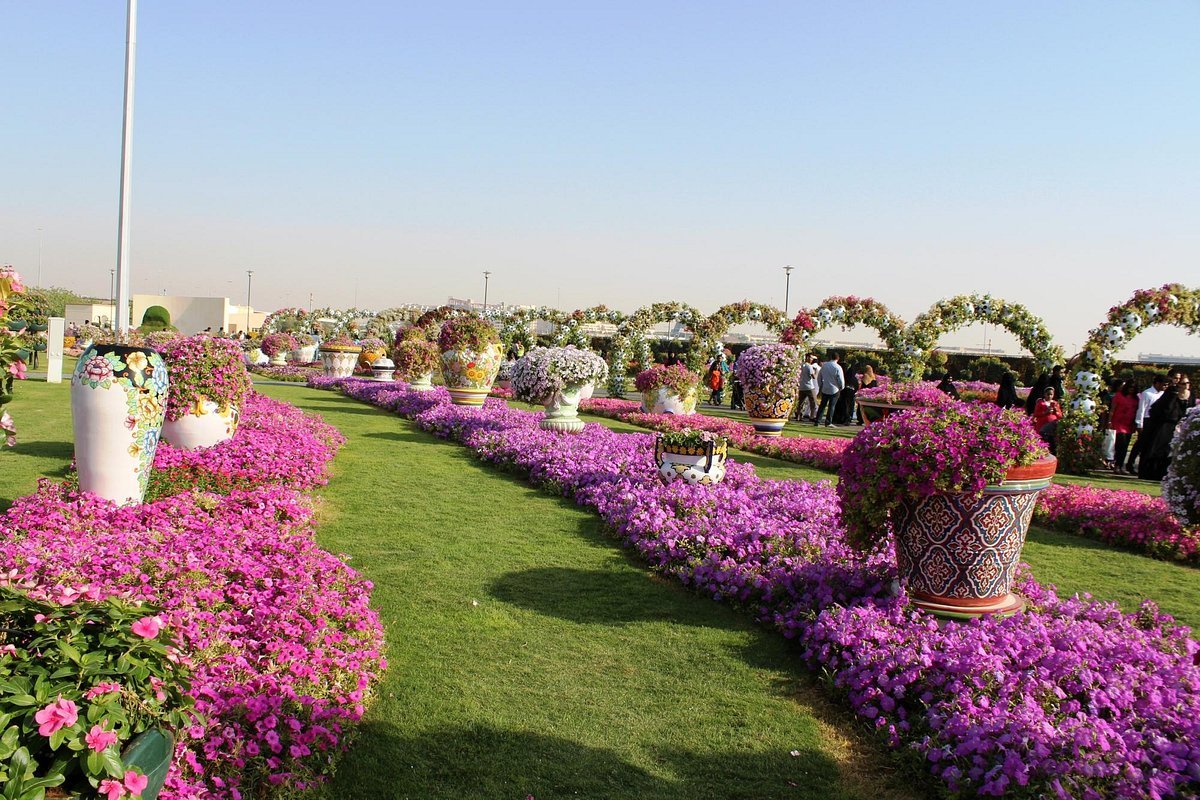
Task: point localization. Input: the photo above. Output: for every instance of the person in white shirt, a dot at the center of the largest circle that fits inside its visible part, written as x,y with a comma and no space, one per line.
832,380
807,405
1146,399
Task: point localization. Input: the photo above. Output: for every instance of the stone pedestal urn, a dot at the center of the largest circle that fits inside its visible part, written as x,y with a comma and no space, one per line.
339,361
422,383
204,425
118,403
958,554
562,410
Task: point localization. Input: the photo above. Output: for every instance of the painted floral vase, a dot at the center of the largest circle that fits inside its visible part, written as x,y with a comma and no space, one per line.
768,409
698,466
562,410
339,361
203,425
958,554
421,383
663,401
383,369
469,374
118,403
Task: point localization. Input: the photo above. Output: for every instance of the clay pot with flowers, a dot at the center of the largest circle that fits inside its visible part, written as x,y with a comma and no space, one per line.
770,377
416,358
208,385
957,485
277,346
668,389
471,356
556,377
339,356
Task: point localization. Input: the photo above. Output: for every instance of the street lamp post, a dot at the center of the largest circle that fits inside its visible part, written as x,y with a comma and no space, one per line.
486,275
787,288
249,277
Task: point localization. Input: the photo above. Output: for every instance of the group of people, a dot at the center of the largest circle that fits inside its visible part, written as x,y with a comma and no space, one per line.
719,375
827,391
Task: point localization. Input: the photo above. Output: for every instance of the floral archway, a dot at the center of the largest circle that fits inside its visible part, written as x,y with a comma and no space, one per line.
631,338
570,330
514,325
347,321
384,324
950,315
1172,304
709,331
287,320
848,312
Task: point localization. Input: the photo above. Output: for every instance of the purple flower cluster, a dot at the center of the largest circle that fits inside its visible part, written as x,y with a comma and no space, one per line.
283,640
1071,699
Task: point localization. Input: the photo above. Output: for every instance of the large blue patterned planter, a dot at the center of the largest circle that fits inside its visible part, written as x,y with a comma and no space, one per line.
958,555
118,402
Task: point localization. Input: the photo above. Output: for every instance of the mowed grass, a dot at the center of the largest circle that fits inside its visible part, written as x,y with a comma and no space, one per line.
530,656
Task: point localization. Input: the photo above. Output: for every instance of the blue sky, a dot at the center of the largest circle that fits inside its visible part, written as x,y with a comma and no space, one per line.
614,152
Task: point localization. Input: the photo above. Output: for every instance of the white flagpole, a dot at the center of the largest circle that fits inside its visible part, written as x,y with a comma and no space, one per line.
122,310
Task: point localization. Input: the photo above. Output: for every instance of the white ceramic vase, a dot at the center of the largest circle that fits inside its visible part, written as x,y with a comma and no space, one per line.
562,411
422,383
339,363
202,426
118,401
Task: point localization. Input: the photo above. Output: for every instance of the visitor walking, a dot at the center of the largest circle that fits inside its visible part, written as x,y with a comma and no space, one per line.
715,381
809,382
844,414
1146,398
1163,416
1121,421
1006,397
831,380
947,386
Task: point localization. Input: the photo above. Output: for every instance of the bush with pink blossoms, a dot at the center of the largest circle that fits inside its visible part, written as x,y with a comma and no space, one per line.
204,368
1072,699
274,344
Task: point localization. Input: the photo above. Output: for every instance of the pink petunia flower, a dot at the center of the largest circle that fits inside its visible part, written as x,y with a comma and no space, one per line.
99,739
56,716
113,789
147,627
17,368
135,783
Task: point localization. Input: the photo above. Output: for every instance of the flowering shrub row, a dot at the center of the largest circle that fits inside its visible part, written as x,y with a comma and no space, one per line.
1117,516
280,634
1071,699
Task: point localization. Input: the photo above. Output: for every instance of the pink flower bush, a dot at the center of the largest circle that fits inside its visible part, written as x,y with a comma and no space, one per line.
1072,699
281,636
1120,517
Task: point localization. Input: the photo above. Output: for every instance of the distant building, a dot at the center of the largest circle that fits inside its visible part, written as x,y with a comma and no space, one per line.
96,313
195,314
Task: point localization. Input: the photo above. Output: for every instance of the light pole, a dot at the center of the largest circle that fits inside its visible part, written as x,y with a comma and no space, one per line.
39,283
122,294
249,277
787,288
486,275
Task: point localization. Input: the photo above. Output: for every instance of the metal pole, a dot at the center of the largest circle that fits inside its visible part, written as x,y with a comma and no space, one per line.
39,281
787,288
122,299
249,277
486,275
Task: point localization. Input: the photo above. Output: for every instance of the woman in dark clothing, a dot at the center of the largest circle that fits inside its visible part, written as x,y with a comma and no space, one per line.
1035,394
947,386
1007,396
843,412
1161,420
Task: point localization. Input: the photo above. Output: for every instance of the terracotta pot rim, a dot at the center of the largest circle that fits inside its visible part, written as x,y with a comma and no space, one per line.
1042,468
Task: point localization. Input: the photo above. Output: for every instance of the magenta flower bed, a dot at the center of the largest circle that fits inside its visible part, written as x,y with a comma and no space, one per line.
284,642
1129,519
1071,699
1117,516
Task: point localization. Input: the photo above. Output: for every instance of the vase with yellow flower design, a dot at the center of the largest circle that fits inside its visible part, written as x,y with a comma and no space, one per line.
118,402
471,357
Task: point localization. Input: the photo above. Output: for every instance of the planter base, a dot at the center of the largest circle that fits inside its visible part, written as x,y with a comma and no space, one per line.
561,425
1004,606
468,397
768,427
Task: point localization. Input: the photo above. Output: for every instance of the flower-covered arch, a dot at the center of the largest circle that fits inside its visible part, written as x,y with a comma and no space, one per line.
631,337
514,324
1172,304
709,331
950,315
343,322
384,324
570,331
287,320
848,312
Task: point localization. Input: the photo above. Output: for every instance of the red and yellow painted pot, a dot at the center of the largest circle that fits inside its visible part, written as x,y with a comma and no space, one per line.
469,374
958,554
768,409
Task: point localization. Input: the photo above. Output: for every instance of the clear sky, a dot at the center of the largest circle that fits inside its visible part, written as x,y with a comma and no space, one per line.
616,152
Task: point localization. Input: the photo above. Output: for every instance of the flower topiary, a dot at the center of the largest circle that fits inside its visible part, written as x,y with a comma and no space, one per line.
1181,487
925,450
545,371
415,358
775,367
275,343
204,368
676,379
467,333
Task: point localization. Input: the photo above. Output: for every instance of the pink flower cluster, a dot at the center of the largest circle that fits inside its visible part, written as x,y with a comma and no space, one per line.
1120,517
284,642
1071,699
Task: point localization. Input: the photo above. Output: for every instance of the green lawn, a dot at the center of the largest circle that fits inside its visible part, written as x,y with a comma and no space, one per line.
530,656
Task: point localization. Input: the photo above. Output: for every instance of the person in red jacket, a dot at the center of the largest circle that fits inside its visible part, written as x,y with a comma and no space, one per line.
1046,411
1120,419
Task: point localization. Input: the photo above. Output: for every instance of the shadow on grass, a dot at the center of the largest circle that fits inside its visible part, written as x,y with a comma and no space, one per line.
488,763
1077,541
60,451
349,407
